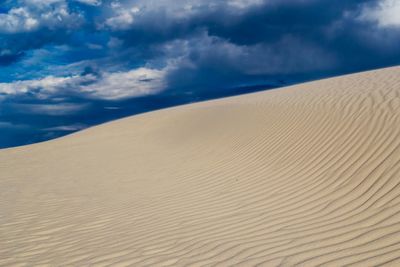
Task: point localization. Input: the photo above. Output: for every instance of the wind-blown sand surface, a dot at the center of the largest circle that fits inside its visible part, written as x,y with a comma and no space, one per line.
303,175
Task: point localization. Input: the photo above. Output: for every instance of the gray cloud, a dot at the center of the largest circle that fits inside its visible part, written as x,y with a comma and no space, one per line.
10,125
143,47
128,14
66,128
58,109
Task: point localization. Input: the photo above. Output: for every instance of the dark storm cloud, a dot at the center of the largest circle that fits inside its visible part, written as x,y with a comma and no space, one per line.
220,45
222,39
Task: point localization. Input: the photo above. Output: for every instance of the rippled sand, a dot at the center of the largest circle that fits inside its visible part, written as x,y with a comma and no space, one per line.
305,175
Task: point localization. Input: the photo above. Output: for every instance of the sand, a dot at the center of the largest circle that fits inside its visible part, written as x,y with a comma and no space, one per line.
305,175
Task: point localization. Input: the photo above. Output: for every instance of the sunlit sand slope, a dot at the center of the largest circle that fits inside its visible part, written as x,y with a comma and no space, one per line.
304,175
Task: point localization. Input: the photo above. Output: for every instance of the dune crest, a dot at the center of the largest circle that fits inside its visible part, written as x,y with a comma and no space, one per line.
305,175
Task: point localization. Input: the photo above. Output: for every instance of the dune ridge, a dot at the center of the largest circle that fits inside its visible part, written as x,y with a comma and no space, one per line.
301,176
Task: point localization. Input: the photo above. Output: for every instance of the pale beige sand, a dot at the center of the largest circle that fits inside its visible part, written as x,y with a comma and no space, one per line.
304,175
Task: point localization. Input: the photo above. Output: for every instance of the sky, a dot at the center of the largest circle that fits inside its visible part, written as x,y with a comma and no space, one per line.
66,65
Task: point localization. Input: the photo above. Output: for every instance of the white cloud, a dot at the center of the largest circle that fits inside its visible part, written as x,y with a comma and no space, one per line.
43,87
40,3
118,85
243,4
17,20
35,14
125,15
386,13
122,18
138,82
90,2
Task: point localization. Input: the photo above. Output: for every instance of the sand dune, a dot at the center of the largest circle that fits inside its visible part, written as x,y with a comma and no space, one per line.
305,175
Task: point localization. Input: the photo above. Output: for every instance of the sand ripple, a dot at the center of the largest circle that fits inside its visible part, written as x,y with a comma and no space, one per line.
306,175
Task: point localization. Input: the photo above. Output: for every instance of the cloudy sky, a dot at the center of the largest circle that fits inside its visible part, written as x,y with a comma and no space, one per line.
69,64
